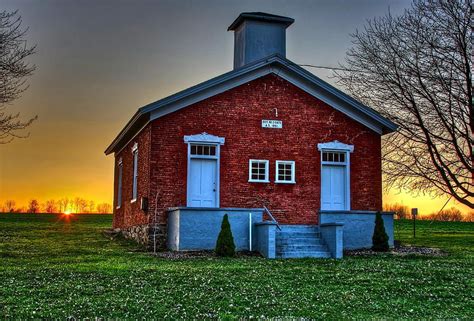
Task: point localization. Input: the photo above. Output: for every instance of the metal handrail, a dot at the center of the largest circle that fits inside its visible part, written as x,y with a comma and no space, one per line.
271,216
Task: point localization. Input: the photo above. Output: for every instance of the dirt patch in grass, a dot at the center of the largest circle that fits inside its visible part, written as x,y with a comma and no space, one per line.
177,255
400,250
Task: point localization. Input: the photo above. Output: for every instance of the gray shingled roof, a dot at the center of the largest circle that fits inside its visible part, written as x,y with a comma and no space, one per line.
272,63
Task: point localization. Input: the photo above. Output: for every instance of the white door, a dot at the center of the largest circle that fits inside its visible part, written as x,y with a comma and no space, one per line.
202,185
333,187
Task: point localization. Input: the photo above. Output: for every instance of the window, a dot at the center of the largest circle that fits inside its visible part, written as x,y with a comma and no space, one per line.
135,172
258,171
285,172
203,150
334,157
119,183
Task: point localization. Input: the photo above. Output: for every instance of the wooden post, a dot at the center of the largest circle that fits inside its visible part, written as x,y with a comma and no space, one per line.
414,213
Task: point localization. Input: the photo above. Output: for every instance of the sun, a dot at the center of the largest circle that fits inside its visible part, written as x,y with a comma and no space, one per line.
67,212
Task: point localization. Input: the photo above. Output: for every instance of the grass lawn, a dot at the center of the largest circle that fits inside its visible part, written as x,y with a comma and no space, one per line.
53,268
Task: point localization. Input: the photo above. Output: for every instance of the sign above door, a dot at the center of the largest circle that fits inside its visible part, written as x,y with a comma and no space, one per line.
272,123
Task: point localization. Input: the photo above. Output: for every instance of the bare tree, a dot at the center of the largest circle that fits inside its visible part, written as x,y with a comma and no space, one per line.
401,211
90,206
14,69
104,208
10,206
80,205
416,70
449,215
33,206
469,217
63,204
50,206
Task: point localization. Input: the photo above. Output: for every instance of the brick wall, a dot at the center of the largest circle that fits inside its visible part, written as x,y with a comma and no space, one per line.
129,214
236,115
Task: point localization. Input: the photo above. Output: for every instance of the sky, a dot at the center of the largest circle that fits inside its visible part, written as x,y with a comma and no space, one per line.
99,61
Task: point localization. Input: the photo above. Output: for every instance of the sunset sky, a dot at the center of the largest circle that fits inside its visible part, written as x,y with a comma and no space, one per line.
98,61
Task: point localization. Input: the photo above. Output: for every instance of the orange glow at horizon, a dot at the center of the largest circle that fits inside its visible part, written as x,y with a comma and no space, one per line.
425,204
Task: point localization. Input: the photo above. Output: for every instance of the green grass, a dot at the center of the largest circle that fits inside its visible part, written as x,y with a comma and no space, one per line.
53,269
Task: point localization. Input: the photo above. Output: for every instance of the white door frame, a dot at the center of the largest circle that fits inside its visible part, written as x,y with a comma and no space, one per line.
210,140
338,147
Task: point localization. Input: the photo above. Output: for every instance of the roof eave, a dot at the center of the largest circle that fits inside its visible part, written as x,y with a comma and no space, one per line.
286,21
112,147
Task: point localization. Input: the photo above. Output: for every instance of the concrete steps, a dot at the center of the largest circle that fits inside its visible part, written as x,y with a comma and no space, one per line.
300,241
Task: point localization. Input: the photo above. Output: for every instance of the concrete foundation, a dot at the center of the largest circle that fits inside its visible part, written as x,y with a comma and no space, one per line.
192,228
358,226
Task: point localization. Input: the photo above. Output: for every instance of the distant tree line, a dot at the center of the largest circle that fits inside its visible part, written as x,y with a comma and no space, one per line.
72,205
447,215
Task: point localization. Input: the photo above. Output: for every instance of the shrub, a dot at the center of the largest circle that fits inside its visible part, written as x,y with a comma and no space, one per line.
401,211
448,215
225,241
380,237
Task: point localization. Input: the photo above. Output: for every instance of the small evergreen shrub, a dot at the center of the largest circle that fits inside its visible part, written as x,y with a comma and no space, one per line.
380,237
225,241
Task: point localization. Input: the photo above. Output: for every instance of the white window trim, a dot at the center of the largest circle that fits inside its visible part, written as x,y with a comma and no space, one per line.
293,172
204,139
119,183
267,171
135,175
336,146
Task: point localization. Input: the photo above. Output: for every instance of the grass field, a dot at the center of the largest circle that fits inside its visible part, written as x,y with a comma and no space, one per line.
50,268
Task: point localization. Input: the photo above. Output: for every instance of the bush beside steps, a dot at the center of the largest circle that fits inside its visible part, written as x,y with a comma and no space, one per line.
380,237
225,245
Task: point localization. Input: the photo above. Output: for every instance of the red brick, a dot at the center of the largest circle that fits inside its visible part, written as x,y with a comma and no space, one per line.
236,115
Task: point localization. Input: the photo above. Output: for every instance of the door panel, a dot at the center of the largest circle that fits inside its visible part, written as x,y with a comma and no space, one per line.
326,188
202,183
333,187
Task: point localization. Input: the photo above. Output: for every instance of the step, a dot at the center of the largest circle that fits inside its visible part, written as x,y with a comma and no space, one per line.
298,234
299,228
307,241
298,239
303,254
301,247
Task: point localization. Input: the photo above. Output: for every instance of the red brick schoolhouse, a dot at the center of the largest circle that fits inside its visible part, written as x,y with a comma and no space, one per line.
268,143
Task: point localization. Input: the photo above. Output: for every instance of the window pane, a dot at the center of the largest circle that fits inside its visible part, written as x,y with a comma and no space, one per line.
285,171
119,187
135,174
334,157
258,170
205,150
